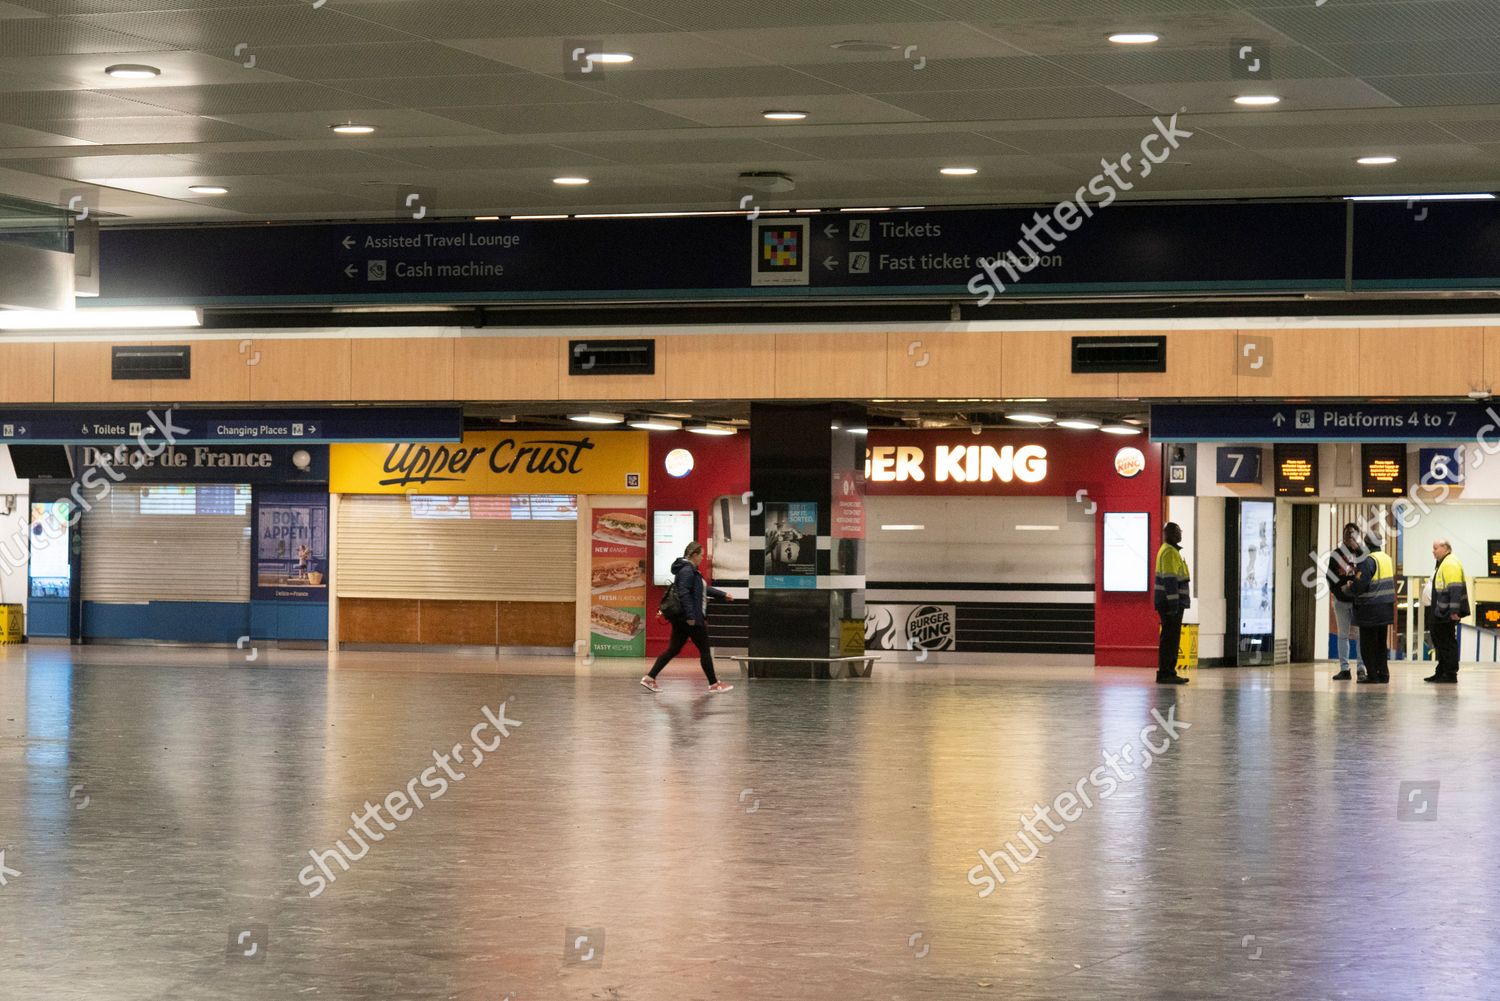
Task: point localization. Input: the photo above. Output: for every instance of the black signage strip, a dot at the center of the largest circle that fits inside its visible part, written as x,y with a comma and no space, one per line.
976,254
300,426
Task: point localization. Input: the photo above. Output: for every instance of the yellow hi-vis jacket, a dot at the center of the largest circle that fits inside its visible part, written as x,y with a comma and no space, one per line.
1450,593
1172,595
1375,591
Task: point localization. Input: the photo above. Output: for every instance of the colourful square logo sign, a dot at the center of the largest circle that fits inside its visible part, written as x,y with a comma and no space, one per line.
780,249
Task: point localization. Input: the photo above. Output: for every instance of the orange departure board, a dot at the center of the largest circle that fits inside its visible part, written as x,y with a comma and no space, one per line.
1296,470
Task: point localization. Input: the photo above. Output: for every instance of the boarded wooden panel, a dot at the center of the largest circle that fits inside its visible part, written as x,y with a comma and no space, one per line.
1039,365
81,375
458,623
537,623
943,365
836,366
378,620
1316,361
298,370
1420,361
220,374
505,368
402,369
26,373
719,366
1199,363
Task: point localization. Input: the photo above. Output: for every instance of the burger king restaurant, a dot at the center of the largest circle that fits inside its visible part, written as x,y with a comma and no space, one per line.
1011,546
525,541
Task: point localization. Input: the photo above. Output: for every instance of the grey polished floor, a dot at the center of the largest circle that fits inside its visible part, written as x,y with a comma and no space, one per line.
789,840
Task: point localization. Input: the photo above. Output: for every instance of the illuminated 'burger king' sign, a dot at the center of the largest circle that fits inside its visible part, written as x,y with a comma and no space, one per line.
956,464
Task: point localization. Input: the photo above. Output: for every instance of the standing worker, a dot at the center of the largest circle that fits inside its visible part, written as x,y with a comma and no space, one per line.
1172,599
1450,603
1374,592
1341,573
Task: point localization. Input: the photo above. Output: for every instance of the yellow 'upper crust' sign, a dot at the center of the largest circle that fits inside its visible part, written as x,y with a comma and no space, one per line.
496,462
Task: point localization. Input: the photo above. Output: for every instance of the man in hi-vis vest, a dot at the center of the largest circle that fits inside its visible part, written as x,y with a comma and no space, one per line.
1172,599
1374,591
1450,603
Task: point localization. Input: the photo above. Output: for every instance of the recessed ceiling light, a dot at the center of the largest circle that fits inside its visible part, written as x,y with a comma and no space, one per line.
132,71
352,129
97,319
1078,424
716,429
486,218
1257,100
1134,37
1120,429
1375,161
1029,417
784,116
570,180
208,189
596,417
959,171
610,58
1475,196
863,45
656,424
902,528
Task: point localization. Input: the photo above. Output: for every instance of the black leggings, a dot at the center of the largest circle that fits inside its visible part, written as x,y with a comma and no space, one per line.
681,633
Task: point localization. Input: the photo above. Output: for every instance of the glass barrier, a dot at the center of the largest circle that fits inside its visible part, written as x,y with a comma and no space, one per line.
44,227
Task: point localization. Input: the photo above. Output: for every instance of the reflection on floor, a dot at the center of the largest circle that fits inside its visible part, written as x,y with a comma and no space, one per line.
1297,838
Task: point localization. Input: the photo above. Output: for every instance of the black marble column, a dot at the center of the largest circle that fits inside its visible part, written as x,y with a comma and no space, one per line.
807,550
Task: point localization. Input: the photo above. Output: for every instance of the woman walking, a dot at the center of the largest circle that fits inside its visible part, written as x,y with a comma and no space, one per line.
693,593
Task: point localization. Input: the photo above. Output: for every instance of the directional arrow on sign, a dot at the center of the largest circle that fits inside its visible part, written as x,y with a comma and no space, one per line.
351,271
348,242
831,263
830,231
1279,419
312,429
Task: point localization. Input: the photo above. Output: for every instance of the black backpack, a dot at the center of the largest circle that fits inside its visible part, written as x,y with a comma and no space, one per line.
671,604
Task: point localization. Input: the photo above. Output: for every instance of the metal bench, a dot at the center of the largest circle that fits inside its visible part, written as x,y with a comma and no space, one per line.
817,667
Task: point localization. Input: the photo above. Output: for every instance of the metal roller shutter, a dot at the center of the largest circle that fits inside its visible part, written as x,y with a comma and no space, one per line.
457,548
168,543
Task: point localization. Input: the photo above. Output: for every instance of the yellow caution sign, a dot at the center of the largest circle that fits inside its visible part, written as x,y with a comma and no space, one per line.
12,623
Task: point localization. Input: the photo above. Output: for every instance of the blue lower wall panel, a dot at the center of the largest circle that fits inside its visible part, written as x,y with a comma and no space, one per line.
170,621
194,621
47,617
289,620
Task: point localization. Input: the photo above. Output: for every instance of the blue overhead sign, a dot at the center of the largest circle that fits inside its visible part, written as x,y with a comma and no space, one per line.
298,426
1273,422
1126,247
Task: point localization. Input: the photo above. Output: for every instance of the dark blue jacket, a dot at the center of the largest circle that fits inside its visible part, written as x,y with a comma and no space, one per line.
692,590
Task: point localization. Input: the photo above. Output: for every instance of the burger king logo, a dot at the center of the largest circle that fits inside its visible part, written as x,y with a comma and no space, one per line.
1129,462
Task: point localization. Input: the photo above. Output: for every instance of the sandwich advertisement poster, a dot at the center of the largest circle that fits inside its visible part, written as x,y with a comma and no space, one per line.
617,591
